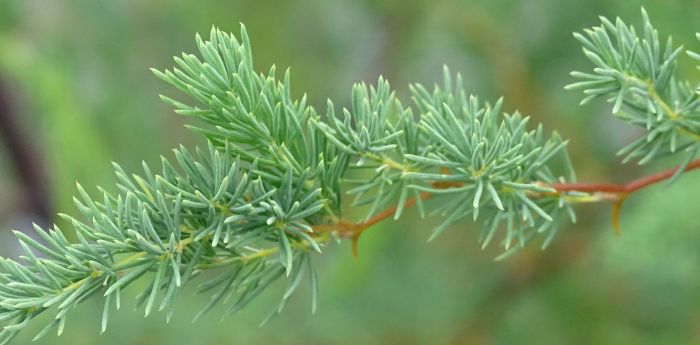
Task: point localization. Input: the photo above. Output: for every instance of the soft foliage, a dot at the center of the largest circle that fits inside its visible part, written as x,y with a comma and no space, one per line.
637,73
268,191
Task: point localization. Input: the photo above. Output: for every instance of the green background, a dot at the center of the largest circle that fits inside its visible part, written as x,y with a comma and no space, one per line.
78,71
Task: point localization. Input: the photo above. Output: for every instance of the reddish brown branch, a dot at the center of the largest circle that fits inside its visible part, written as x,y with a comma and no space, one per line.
627,188
391,210
353,231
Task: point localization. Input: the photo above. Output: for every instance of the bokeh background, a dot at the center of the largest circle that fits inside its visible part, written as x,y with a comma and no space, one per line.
75,94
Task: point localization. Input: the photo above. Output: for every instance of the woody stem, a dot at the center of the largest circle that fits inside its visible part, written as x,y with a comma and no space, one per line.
351,230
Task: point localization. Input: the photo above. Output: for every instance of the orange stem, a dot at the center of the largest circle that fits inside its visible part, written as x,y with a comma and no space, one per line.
627,188
391,210
353,231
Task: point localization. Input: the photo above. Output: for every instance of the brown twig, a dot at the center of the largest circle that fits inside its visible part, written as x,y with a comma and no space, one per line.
627,188
353,231
620,192
23,155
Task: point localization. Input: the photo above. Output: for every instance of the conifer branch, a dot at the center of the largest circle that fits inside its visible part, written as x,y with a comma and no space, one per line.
269,191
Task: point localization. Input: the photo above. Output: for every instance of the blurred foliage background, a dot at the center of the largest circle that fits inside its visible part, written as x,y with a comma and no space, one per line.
74,75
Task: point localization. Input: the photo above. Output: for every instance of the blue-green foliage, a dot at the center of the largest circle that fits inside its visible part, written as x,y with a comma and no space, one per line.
206,214
251,207
636,72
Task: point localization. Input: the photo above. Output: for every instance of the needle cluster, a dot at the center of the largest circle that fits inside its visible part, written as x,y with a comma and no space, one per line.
269,191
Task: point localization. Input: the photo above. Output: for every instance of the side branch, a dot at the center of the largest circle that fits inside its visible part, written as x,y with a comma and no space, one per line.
353,231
